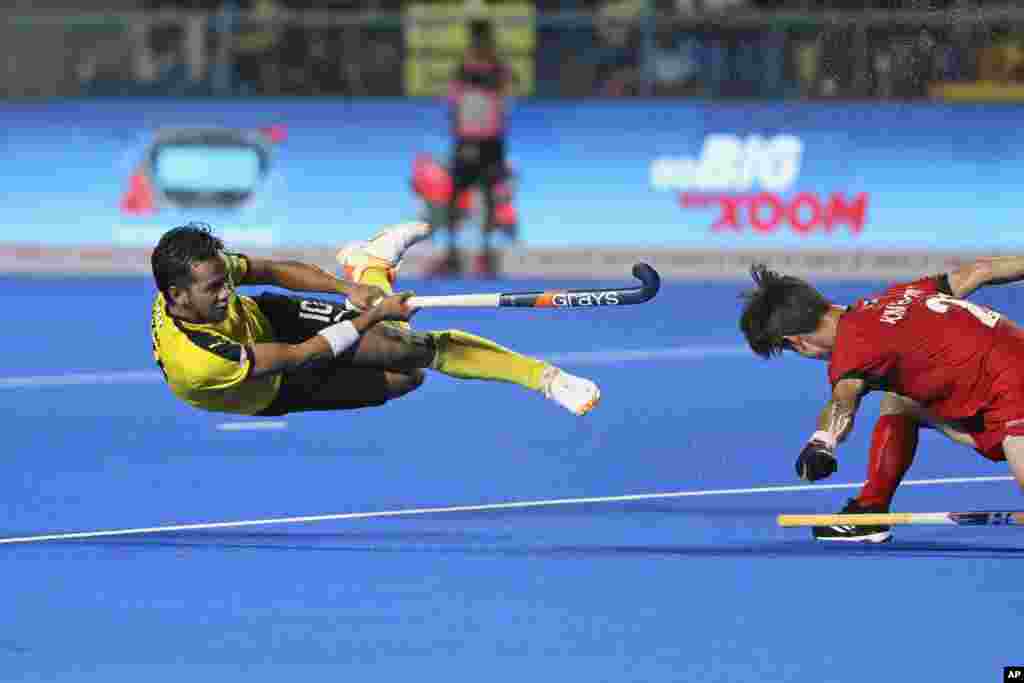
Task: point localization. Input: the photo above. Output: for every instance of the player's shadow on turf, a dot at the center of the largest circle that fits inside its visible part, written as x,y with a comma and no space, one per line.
455,542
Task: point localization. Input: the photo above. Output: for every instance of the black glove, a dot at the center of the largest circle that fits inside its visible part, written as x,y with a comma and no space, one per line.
816,461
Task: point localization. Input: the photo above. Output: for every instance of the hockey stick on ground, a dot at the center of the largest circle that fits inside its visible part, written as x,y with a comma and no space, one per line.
982,518
564,298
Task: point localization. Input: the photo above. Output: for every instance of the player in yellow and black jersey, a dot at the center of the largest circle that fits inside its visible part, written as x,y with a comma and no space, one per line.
272,354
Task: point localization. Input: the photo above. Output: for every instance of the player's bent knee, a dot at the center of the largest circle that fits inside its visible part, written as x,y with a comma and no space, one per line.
401,383
894,404
1013,448
415,349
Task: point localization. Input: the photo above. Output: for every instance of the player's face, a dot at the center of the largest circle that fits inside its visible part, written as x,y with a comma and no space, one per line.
207,298
808,347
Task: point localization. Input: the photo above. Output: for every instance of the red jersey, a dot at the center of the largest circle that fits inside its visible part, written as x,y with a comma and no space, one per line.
953,356
477,96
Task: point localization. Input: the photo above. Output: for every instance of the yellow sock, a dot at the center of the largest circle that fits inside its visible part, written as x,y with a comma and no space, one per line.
378,277
464,355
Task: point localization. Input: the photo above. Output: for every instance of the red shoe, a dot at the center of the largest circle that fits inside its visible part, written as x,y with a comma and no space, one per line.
443,266
506,220
485,266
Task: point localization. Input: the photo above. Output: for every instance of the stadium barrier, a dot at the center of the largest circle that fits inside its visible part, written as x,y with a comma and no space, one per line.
567,263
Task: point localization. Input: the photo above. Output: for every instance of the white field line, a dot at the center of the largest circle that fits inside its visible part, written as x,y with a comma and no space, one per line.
680,353
81,378
523,504
263,425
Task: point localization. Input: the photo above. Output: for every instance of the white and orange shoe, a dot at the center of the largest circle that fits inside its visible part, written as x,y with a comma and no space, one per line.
384,250
576,394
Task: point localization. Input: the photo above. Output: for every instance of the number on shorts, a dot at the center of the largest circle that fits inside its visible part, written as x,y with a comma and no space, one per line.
312,309
940,303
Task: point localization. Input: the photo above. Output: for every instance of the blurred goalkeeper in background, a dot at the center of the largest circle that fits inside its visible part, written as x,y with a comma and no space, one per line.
273,354
477,96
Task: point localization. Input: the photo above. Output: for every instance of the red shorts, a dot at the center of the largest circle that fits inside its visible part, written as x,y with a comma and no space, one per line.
1002,383
990,444
992,395
989,441
1002,417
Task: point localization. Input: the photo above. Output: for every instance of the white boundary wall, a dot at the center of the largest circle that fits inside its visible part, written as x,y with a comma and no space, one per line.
575,263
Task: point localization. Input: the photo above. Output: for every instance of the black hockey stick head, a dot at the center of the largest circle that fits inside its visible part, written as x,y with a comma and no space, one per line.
650,283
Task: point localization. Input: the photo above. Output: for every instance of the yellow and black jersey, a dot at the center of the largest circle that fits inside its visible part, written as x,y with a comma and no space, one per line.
208,365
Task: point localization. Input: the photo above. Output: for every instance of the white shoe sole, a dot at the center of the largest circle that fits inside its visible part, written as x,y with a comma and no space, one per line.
576,409
589,405
357,257
880,537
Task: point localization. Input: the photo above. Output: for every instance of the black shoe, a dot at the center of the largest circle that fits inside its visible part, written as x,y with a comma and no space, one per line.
855,534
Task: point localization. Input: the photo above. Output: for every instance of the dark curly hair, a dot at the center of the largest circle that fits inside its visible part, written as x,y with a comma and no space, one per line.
178,250
777,306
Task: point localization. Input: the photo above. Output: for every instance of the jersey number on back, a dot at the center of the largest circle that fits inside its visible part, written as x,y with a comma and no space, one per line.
940,303
477,112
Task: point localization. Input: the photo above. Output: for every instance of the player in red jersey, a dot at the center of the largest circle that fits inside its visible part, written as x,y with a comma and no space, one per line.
943,363
477,94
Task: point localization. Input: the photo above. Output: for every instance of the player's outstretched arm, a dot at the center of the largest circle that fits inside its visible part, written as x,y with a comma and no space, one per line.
817,460
970,277
332,341
305,277
837,417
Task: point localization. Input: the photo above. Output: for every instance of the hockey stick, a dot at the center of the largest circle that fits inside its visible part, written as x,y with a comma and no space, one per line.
982,518
565,298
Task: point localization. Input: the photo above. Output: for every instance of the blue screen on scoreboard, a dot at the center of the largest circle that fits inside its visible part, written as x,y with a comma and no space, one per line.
206,168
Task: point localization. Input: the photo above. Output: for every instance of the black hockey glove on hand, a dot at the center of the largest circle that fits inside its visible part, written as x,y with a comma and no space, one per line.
816,460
